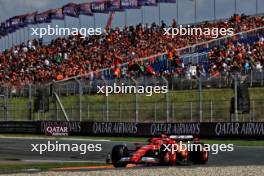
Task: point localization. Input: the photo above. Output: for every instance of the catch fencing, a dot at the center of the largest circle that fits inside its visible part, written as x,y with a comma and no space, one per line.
187,100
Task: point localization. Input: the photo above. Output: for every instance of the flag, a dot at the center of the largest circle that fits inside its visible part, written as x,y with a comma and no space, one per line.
147,2
71,9
129,4
99,7
2,29
109,21
166,1
44,17
16,22
56,14
30,18
113,5
8,26
22,21
85,9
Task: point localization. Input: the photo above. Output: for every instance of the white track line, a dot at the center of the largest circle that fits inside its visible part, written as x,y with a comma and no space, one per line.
250,146
57,138
64,161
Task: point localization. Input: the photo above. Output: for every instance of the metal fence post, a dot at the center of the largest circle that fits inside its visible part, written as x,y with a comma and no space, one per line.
172,83
200,101
4,107
251,78
167,100
253,111
30,101
57,111
211,110
191,111
155,112
106,105
106,108
88,111
262,78
38,116
80,98
136,99
236,112
6,103
71,112
103,112
120,112
220,81
172,109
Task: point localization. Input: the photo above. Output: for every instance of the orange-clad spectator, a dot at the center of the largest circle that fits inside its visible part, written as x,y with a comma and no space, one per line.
237,18
170,55
59,77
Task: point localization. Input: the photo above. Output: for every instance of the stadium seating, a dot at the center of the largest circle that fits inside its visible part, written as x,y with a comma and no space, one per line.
34,62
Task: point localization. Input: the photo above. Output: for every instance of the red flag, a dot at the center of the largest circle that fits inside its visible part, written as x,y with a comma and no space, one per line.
109,21
150,70
117,72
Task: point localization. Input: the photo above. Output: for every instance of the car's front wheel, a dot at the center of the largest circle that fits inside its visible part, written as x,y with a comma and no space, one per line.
118,152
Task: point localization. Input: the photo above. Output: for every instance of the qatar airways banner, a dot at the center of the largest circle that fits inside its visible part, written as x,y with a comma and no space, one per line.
240,130
246,129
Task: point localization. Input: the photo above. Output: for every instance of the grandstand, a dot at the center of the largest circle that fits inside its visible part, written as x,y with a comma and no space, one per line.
34,62
74,66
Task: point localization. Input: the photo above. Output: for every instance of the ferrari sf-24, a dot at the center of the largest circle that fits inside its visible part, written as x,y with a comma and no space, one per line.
160,151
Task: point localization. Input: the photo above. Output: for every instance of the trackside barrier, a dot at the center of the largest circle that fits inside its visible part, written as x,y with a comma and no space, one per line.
239,130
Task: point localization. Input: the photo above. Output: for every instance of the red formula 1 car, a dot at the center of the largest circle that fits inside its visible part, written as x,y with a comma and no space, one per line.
161,151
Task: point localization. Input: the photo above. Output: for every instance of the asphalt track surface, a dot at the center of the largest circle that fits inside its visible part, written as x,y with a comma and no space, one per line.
19,149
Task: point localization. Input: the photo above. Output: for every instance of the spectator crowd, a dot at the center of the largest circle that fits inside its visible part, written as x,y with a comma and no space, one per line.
234,58
35,62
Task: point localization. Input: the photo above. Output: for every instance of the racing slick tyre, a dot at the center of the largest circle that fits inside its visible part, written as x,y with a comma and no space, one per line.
118,152
166,157
199,157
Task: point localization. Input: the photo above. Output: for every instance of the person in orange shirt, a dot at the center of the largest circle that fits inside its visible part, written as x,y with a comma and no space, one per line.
59,77
170,55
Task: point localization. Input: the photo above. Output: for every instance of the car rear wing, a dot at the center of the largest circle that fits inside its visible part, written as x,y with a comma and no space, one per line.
182,137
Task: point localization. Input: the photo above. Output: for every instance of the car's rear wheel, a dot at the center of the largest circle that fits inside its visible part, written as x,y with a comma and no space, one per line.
199,157
118,152
166,157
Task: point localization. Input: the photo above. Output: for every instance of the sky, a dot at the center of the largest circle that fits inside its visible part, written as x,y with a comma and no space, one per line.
168,12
